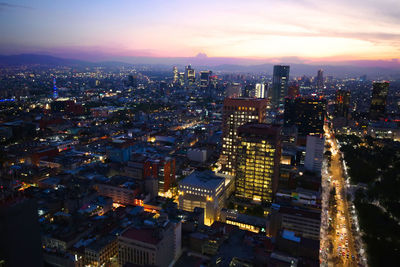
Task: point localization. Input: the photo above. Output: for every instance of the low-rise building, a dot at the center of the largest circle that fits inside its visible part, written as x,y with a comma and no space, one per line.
204,190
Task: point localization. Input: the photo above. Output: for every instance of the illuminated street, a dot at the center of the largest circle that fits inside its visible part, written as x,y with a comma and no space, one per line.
344,252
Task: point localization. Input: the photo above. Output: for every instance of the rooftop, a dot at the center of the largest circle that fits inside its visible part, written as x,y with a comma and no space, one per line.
144,235
204,179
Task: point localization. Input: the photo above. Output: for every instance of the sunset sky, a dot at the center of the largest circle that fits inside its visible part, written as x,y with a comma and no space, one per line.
312,30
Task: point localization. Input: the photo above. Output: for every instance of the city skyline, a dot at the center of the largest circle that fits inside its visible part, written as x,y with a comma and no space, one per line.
286,31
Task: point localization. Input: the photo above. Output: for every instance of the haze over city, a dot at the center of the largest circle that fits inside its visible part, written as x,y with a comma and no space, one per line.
292,31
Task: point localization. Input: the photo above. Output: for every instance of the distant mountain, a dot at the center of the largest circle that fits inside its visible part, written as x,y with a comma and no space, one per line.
216,64
32,59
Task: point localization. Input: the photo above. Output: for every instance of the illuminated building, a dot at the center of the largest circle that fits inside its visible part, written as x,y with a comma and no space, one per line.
378,100
260,90
203,190
280,81
161,168
236,112
307,113
257,163
181,78
121,189
314,153
55,90
190,75
342,103
100,252
176,74
243,221
320,82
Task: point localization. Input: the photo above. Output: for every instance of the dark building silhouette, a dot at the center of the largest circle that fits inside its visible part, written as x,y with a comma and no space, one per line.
205,79
20,241
307,113
293,91
133,81
378,100
320,81
342,103
280,81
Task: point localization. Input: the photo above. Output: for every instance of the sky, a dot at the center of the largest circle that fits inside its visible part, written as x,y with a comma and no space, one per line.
302,30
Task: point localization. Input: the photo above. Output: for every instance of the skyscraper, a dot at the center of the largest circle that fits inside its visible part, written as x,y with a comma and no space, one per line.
260,90
176,74
236,112
190,75
280,81
205,77
257,163
378,100
342,103
55,90
320,82
307,113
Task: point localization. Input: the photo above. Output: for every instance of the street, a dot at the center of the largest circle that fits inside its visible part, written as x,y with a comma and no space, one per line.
339,246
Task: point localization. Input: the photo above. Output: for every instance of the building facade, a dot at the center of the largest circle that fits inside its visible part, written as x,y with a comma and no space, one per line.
257,162
236,112
307,113
314,153
203,190
342,103
378,100
280,81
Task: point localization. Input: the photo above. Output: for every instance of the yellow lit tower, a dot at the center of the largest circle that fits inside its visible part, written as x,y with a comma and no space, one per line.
237,112
257,162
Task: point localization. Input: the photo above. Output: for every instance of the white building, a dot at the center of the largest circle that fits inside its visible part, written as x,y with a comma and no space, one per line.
314,153
260,90
204,190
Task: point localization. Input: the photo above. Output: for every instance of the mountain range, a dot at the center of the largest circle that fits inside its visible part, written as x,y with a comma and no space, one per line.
216,64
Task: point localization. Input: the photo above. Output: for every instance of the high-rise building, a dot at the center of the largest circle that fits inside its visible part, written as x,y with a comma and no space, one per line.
257,163
314,153
236,112
280,81
378,100
190,75
320,81
205,77
342,103
260,90
182,78
307,113
55,89
176,74
20,242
